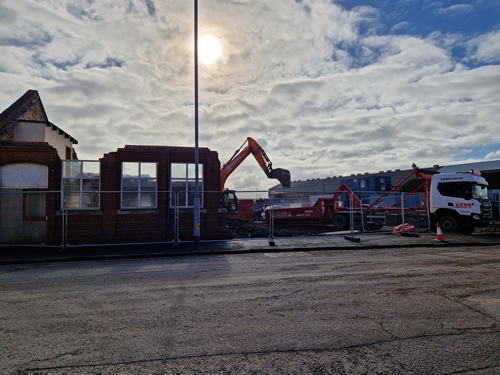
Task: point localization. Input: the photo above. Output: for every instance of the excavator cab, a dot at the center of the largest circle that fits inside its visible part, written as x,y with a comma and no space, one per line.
229,201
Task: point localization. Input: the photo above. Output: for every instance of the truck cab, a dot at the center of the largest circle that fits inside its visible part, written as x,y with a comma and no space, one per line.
459,201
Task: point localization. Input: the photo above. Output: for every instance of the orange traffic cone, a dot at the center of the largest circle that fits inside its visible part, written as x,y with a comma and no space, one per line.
439,232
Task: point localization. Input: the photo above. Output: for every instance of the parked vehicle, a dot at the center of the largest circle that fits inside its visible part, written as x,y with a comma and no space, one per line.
457,201
333,210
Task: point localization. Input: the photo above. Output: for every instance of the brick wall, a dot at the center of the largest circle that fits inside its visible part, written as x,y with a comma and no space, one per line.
111,224
44,154
114,225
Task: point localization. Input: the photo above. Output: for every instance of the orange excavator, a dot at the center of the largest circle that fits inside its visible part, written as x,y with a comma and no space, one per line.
229,200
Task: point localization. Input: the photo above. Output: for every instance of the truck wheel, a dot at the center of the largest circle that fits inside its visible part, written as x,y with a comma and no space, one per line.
340,222
449,224
412,220
358,222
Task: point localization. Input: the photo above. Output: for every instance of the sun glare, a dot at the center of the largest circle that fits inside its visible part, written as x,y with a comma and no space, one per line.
209,48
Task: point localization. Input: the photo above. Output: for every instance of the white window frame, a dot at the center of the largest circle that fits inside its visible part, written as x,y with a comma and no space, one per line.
80,175
188,177
140,190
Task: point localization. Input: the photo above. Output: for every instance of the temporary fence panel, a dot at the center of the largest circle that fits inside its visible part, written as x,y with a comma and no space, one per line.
28,216
243,212
74,218
346,210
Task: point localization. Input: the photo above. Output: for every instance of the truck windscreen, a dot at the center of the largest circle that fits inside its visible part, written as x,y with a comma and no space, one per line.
479,191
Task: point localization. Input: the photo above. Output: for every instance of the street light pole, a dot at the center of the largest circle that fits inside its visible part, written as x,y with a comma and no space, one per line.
196,151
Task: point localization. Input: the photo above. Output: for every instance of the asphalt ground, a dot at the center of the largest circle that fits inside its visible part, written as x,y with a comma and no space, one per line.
413,311
326,241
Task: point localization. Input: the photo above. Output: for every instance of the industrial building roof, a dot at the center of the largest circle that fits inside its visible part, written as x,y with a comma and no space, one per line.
490,169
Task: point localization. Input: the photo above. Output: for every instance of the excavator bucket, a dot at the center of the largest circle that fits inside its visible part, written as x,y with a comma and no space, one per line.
282,175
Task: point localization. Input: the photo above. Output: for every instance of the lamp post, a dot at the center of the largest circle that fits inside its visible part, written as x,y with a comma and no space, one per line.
196,151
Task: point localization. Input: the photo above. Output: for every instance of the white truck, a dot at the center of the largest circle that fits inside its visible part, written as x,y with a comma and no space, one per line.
459,201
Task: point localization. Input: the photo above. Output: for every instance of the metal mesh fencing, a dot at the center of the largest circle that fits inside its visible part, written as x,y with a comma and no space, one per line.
30,216
73,218
341,210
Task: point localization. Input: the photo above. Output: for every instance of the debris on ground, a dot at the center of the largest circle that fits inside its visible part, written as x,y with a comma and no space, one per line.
261,229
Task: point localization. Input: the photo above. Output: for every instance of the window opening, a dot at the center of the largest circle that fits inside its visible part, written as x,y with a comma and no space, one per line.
182,184
383,184
139,185
81,184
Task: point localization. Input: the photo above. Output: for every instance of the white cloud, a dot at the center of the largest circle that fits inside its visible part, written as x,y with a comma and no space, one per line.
457,9
493,155
319,96
485,48
401,26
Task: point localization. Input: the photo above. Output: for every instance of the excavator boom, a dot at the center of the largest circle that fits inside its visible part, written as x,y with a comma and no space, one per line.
282,175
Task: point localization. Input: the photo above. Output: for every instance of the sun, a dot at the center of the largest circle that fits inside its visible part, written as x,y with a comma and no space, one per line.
209,48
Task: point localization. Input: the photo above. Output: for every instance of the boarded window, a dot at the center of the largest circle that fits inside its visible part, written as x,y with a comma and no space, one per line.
34,205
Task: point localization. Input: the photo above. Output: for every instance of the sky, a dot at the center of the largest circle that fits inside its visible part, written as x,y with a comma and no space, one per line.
326,87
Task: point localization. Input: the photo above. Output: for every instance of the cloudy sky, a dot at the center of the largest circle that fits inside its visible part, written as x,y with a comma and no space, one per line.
327,87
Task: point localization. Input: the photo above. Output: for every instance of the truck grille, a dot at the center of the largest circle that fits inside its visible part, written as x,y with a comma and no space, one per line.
486,212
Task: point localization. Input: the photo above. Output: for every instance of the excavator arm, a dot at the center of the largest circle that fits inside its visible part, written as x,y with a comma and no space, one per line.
282,175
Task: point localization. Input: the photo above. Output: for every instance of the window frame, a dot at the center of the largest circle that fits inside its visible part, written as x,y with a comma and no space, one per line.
383,183
27,193
140,181
187,179
81,178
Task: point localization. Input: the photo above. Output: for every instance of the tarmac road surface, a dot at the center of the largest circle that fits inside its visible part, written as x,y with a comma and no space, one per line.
369,311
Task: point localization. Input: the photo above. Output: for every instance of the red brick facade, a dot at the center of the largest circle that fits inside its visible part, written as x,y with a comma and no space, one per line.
111,224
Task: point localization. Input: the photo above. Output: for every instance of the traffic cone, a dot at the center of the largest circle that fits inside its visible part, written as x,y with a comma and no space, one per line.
439,232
